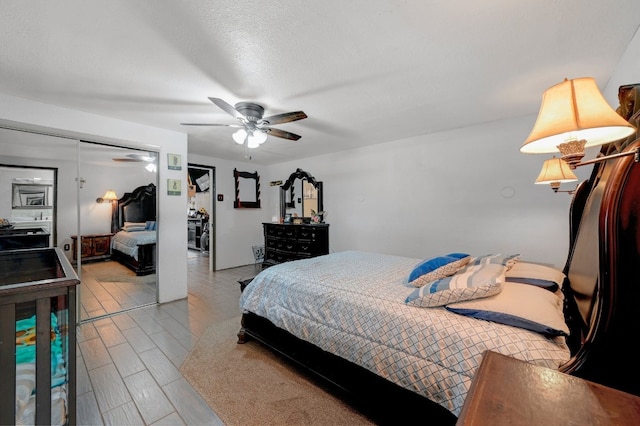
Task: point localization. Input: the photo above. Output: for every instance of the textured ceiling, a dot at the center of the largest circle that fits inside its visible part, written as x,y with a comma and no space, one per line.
364,71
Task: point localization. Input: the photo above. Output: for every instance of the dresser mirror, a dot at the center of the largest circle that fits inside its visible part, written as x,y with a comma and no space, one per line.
301,194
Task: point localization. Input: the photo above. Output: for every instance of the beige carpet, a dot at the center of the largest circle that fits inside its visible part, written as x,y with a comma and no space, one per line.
249,385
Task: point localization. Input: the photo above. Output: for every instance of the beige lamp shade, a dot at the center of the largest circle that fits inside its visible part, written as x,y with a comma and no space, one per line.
555,171
110,195
575,110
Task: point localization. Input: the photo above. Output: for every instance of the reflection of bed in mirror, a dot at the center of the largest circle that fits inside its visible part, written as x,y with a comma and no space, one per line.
134,226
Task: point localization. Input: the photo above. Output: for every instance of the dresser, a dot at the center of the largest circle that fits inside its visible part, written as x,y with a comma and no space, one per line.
11,239
284,242
93,247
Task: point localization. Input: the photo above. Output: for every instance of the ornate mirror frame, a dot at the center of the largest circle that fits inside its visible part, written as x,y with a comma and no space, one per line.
238,203
298,174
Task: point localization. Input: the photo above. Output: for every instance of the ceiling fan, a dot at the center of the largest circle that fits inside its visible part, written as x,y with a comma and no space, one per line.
135,158
253,127
139,158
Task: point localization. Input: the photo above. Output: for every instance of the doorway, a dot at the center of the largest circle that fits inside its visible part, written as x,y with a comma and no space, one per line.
201,230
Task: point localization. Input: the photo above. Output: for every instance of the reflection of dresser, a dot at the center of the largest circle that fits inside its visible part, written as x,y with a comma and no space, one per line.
286,242
12,239
93,247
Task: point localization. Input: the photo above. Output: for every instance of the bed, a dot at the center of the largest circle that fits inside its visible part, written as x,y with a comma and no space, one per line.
346,317
134,227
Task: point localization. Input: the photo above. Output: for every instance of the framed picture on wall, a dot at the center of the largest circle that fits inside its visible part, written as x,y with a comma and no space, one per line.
174,162
174,186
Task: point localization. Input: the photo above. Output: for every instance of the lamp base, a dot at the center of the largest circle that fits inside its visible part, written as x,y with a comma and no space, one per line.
572,152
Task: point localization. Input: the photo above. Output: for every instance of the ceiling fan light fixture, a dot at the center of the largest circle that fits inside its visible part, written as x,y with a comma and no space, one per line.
259,136
239,136
252,143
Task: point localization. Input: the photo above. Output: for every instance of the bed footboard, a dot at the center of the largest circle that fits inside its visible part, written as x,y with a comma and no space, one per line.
145,264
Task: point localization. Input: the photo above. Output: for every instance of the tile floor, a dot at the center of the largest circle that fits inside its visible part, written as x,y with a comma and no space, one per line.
128,363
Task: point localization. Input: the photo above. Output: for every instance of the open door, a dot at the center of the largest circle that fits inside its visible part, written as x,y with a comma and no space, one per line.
201,212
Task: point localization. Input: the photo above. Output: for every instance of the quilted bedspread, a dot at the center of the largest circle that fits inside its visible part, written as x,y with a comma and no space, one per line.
127,242
352,304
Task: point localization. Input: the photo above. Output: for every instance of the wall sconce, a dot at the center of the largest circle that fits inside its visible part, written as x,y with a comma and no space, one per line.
110,196
573,116
554,172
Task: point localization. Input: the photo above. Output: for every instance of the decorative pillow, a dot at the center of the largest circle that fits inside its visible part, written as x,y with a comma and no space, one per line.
436,268
517,305
150,225
539,275
134,226
498,259
471,282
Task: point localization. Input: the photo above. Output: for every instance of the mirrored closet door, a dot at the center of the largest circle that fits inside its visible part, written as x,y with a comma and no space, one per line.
81,194
118,229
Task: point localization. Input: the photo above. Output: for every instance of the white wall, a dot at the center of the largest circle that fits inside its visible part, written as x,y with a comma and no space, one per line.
467,190
172,233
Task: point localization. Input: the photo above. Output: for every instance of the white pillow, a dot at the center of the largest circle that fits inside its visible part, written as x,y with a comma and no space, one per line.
533,274
519,305
134,226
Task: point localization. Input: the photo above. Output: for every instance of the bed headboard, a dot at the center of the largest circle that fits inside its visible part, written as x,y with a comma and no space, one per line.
136,206
603,274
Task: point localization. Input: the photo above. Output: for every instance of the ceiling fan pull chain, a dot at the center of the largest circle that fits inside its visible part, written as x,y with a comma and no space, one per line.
246,147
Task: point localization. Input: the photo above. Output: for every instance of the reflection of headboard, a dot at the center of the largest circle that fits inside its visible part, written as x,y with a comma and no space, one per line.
136,206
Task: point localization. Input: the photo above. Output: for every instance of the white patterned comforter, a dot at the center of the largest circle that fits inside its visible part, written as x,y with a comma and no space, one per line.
352,304
127,242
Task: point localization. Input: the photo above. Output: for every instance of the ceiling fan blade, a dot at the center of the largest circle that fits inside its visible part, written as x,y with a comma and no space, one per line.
228,109
281,133
284,118
211,124
127,160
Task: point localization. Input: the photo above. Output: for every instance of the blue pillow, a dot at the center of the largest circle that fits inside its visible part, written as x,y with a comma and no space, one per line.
436,268
471,282
150,225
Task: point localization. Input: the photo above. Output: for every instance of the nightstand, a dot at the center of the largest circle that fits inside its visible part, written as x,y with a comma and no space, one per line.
93,247
507,391
244,282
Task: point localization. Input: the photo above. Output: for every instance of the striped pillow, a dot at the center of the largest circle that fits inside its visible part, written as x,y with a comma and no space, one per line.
436,268
471,282
507,260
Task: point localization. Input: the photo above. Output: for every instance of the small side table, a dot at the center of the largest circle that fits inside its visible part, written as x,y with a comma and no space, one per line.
507,391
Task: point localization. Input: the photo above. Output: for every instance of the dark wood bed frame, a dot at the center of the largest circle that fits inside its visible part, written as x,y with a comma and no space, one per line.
136,206
601,292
